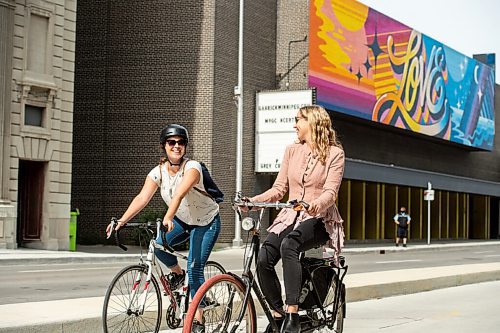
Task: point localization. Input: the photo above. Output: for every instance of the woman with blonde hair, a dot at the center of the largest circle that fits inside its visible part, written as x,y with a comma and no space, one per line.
311,171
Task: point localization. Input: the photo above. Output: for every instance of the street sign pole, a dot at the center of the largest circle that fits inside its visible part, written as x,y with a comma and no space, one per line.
428,222
238,95
429,197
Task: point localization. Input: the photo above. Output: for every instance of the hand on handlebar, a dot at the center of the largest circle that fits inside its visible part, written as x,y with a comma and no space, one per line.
114,225
313,209
168,224
245,208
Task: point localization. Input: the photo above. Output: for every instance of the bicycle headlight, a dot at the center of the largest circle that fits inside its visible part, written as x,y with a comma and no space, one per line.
247,223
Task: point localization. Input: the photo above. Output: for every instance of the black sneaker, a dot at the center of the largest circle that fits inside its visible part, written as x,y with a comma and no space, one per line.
197,327
404,245
176,280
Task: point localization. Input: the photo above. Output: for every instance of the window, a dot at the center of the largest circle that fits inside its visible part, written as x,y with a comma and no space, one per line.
33,115
37,48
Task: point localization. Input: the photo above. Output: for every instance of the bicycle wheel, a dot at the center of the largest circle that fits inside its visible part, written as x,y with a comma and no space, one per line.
213,268
123,304
336,324
221,298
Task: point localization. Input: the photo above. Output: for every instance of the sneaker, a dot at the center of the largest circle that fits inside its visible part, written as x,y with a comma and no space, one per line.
404,245
397,244
197,327
176,280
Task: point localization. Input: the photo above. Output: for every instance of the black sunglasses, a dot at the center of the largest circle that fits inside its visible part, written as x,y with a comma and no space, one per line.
172,143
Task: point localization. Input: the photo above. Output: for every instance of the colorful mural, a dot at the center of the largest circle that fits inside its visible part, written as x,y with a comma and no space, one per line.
368,65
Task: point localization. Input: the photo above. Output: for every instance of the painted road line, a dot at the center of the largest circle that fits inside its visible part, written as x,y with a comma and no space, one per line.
398,261
68,269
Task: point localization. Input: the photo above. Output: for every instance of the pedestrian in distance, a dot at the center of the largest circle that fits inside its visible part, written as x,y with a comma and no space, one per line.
402,221
312,170
191,215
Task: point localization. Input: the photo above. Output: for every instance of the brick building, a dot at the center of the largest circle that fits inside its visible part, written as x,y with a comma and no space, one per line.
141,65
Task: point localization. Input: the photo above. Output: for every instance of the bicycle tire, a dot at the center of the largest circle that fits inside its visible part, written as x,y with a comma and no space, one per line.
119,316
222,309
212,268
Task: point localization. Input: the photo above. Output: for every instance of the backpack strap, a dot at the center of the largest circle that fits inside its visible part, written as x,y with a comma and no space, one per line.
194,187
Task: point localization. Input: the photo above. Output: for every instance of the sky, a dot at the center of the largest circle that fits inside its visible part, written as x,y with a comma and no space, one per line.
470,27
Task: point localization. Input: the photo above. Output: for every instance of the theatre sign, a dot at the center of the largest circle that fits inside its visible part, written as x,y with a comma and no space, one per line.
275,117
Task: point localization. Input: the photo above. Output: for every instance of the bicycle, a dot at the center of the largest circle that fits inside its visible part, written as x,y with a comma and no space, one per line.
322,300
133,301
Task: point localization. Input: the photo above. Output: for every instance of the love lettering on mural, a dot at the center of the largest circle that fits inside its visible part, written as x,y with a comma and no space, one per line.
420,102
370,66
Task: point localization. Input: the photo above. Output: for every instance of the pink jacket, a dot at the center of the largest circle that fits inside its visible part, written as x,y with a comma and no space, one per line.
305,178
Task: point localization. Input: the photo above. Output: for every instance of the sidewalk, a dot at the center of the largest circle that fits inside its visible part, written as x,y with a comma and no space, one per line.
84,314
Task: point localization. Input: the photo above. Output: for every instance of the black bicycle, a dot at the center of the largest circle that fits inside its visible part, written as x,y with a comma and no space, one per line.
232,307
133,301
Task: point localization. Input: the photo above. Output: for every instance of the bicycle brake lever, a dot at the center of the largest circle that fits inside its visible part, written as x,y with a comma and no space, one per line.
299,205
163,231
304,204
113,223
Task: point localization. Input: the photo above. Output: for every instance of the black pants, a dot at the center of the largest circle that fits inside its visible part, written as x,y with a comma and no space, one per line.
288,245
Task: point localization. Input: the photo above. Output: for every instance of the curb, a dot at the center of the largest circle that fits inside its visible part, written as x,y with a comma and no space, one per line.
76,326
363,293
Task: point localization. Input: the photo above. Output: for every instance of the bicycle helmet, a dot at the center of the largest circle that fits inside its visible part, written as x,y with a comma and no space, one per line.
173,130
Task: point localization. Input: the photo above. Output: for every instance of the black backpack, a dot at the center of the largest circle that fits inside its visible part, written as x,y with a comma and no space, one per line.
212,190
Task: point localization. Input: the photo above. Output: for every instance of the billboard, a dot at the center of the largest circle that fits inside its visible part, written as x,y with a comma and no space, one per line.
367,65
275,117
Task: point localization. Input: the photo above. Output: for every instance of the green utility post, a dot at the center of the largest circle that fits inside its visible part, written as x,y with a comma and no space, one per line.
72,229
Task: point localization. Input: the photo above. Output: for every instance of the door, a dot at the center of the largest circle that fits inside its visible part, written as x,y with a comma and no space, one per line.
30,203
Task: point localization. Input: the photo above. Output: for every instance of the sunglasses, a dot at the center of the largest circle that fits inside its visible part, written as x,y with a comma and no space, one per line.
172,143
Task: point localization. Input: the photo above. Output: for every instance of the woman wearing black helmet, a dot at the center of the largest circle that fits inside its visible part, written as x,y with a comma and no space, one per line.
191,213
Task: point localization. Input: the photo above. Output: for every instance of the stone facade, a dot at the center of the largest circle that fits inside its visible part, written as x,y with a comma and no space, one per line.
37,40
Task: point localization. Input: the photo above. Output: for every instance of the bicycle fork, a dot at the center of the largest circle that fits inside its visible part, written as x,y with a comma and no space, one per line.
137,298
141,299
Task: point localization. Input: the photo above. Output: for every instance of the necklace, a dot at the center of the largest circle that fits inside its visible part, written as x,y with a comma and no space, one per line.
172,182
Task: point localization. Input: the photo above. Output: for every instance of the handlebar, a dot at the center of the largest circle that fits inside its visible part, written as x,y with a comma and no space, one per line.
294,204
149,225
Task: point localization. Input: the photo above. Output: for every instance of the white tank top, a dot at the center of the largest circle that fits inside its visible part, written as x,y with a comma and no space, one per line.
195,208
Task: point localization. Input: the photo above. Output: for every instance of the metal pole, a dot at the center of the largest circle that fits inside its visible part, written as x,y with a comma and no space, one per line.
429,187
238,94
289,51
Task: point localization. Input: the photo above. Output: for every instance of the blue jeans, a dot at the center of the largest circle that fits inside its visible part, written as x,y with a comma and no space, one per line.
201,242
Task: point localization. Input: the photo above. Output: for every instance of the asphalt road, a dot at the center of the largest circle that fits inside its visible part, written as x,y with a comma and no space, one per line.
26,283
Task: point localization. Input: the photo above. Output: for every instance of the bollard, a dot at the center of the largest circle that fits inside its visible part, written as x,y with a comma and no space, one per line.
72,229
